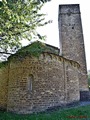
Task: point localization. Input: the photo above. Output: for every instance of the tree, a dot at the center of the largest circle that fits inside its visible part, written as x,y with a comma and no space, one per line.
19,20
43,1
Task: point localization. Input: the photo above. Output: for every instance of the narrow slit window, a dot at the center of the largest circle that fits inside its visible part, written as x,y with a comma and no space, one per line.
30,82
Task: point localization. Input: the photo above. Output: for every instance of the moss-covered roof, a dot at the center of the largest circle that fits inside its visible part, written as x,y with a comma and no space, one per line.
36,48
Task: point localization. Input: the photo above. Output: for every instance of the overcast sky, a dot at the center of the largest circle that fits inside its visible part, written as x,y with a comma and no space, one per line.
51,30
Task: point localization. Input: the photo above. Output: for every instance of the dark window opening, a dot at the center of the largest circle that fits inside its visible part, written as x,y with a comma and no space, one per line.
73,27
30,82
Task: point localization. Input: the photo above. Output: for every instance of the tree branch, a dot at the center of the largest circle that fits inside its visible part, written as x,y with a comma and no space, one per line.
6,53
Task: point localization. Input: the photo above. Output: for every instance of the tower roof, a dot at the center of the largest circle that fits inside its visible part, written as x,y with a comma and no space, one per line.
69,8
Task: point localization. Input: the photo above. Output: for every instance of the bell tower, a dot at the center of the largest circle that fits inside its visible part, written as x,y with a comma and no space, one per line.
71,39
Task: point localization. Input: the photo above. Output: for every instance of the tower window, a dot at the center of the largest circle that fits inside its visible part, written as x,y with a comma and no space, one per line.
30,82
73,27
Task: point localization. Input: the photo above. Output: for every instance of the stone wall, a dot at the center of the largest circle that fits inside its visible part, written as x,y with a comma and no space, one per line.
3,87
36,84
71,82
71,39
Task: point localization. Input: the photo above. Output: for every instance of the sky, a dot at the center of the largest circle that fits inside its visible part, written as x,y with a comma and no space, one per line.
51,30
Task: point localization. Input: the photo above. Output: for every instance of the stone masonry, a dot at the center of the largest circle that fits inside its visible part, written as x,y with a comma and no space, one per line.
36,84
71,39
54,77
3,87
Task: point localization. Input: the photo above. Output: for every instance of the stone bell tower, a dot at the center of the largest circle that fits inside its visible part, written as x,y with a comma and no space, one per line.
71,39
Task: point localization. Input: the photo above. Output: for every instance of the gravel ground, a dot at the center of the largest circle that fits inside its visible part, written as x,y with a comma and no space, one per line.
69,106
84,103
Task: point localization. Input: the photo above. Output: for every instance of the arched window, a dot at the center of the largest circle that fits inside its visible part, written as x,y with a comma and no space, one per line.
30,82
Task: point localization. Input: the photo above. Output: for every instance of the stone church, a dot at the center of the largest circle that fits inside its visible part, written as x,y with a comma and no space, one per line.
34,80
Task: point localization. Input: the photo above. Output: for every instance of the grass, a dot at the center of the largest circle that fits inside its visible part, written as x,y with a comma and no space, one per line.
80,113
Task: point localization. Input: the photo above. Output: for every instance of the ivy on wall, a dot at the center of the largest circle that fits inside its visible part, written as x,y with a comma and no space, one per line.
3,64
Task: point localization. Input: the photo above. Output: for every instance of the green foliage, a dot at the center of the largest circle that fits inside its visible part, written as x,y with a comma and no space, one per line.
43,1
80,113
34,49
19,20
3,64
